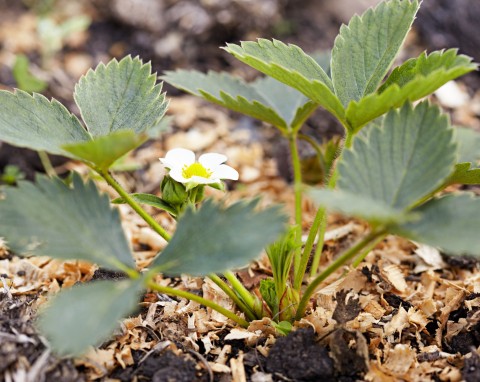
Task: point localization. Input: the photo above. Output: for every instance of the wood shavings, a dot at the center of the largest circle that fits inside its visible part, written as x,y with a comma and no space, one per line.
398,322
393,274
430,258
399,360
238,369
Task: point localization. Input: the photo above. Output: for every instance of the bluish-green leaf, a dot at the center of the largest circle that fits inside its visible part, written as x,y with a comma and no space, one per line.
450,222
265,99
411,155
365,49
215,239
87,314
358,205
413,80
292,66
37,123
468,141
120,96
50,219
101,152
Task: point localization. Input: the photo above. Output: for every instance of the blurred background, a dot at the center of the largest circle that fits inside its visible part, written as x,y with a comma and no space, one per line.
46,45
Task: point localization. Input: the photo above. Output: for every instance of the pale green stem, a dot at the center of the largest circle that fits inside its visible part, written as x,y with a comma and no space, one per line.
200,300
243,292
340,261
322,213
318,150
230,293
136,207
47,164
366,251
297,188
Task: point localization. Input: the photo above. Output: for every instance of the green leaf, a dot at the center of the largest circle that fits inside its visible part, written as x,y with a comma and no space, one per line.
228,91
215,239
464,174
50,219
361,206
292,106
101,152
468,141
410,156
292,66
450,222
269,294
415,79
265,99
365,49
34,122
86,315
150,200
26,81
121,95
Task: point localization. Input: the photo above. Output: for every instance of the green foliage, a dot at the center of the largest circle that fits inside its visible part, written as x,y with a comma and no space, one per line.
365,49
86,315
38,124
468,141
120,95
119,103
150,200
415,79
265,99
214,239
26,81
103,151
450,222
50,219
464,174
392,167
292,66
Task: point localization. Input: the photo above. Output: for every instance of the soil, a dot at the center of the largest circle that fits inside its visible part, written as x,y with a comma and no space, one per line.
396,318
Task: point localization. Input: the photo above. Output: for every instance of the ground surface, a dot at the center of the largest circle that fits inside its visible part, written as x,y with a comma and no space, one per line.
407,313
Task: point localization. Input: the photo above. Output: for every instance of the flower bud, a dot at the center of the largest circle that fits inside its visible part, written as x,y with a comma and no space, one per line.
173,192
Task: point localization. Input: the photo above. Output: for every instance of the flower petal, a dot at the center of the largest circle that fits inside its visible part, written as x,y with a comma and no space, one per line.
178,158
176,173
202,180
225,172
211,160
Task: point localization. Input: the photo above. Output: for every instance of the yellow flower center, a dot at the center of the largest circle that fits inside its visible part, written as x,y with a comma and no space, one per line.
195,169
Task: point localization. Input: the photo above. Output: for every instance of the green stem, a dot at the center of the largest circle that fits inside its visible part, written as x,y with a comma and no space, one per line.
367,250
136,207
47,164
322,213
230,293
297,188
318,150
243,292
341,260
200,300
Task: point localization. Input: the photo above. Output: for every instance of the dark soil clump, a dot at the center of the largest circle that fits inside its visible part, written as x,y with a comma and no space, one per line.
299,357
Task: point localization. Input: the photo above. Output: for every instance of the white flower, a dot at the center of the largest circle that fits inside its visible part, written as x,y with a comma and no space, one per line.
208,170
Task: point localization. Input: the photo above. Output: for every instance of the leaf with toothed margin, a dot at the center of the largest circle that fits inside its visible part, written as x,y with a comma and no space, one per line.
120,96
464,174
265,99
103,151
450,222
365,49
468,141
49,218
216,239
87,314
413,80
34,122
292,66
393,166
